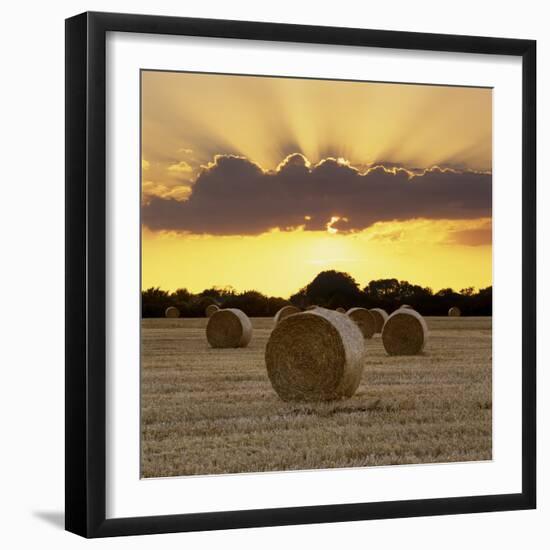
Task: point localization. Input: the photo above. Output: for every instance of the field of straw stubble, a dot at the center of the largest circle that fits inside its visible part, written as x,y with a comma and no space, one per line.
213,411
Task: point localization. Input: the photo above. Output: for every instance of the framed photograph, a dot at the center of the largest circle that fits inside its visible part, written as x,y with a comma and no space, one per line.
300,274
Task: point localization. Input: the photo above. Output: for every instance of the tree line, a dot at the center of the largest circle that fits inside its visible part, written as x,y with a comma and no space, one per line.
330,289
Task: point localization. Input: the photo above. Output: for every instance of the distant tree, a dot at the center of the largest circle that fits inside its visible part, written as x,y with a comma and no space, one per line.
226,291
182,299
391,294
328,289
408,290
445,292
155,293
213,292
299,299
182,295
382,289
482,302
252,302
154,302
332,286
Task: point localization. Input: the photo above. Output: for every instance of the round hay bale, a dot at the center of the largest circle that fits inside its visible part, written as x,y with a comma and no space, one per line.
340,310
172,312
405,306
211,309
380,316
315,356
229,328
310,308
404,333
364,319
285,311
455,312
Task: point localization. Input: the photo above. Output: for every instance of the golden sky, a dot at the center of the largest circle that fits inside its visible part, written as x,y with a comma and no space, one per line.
261,183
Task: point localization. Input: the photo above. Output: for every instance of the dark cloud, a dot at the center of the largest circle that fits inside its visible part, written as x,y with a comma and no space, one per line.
235,196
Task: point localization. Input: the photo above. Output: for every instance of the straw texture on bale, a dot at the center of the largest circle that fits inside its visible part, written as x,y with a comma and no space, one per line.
404,333
340,310
454,312
285,311
315,356
229,328
380,317
211,309
172,312
364,319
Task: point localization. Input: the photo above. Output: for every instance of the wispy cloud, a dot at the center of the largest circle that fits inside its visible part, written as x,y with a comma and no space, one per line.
180,167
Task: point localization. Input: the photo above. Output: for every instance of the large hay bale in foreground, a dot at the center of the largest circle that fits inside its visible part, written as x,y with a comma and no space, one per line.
229,328
364,319
404,333
380,316
455,312
172,312
211,309
285,311
315,356
340,310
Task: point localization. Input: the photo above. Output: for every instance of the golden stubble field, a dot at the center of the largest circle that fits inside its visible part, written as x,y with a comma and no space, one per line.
213,411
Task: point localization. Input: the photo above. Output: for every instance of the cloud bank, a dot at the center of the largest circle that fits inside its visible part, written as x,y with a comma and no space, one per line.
235,196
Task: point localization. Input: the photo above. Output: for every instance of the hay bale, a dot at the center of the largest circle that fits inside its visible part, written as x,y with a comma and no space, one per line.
285,311
340,310
404,333
380,317
229,328
364,319
211,309
172,312
315,355
311,308
455,312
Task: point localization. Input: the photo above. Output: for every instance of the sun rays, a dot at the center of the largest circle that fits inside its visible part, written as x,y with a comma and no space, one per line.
266,119
190,121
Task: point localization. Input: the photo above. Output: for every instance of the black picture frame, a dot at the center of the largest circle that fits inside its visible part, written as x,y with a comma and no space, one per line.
86,263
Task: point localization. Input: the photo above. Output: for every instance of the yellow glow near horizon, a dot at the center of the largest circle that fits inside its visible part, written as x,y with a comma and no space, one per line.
280,263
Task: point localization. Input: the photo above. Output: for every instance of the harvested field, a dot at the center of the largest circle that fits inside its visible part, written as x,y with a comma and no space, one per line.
213,411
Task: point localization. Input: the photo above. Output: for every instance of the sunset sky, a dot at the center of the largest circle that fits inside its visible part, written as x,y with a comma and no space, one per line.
261,183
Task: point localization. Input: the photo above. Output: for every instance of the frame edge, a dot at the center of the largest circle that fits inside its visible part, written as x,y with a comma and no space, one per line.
85,265
76,476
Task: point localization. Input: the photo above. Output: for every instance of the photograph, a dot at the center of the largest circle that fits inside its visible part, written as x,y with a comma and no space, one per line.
316,274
